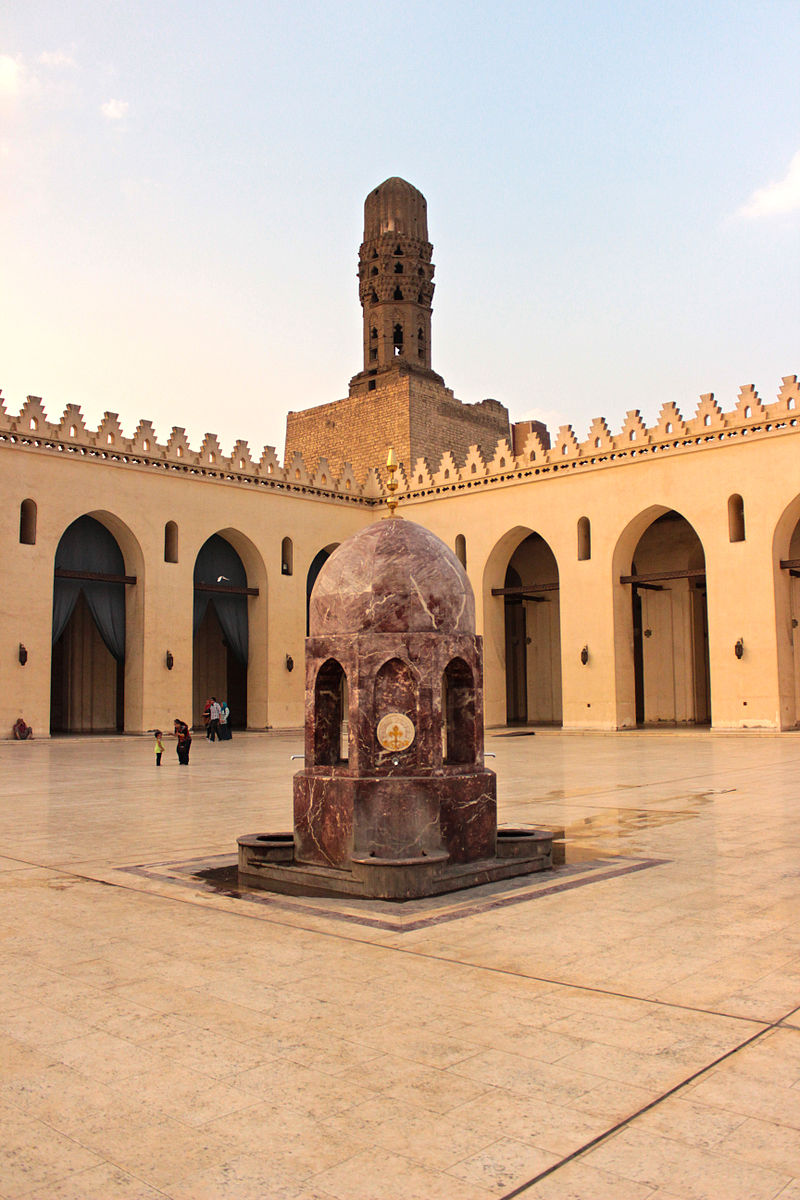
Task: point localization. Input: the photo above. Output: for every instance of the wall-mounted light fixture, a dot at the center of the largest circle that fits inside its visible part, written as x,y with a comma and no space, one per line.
23,655
289,663
585,655
169,661
738,649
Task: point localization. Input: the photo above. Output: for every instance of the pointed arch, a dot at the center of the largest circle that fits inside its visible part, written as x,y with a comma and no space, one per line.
522,630
97,633
230,628
786,550
661,624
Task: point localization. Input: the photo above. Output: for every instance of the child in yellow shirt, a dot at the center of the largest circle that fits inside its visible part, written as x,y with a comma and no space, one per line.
159,746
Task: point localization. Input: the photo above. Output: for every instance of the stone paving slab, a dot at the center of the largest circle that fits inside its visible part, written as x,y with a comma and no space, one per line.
624,1027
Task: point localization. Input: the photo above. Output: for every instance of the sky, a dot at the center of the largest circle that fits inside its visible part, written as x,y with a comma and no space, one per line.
613,199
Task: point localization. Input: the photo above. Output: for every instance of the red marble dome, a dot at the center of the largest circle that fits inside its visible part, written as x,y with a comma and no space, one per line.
392,577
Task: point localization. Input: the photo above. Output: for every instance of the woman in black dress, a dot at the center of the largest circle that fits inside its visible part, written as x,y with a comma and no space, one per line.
184,741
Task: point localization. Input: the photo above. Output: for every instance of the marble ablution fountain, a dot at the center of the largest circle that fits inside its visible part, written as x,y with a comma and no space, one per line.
402,805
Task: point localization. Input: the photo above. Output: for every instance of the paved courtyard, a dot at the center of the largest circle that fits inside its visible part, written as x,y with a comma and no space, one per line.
626,1027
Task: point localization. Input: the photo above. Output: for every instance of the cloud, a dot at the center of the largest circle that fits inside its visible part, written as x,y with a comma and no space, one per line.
56,58
12,76
778,198
114,110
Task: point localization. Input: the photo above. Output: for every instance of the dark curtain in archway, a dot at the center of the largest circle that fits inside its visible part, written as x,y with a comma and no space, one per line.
218,563
88,546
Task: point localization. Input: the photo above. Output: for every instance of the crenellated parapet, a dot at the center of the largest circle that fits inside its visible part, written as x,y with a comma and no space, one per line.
31,429
671,434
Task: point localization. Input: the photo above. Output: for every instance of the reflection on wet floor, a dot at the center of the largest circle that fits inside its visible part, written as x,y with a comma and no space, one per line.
600,833
568,853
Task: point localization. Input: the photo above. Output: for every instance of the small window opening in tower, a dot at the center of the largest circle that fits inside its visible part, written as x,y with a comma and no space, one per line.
374,253
398,268
398,295
374,271
420,300
373,333
374,297
373,354
421,272
371,385
399,250
397,339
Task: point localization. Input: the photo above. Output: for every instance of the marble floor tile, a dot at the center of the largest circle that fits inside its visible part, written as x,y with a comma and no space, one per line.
158,1038
104,1182
504,1165
379,1175
686,1170
578,1181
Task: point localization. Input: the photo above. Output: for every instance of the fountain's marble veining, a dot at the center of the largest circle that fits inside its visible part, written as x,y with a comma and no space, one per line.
410,811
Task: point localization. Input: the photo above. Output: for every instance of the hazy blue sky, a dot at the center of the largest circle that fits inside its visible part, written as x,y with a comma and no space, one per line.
613,197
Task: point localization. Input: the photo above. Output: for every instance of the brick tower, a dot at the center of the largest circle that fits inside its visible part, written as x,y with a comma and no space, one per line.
397,399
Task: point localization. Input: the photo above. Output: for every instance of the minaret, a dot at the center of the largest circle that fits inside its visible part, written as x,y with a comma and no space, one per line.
395,283
397,399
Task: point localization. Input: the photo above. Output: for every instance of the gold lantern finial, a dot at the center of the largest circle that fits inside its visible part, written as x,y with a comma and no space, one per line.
391,484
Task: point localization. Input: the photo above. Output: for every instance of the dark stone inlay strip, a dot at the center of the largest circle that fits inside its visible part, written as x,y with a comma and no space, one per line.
579,876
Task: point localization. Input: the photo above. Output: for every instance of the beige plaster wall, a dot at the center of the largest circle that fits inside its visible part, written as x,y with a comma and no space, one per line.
749,596
135,504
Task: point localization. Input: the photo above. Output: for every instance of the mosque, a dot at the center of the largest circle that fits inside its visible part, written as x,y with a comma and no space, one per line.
639,578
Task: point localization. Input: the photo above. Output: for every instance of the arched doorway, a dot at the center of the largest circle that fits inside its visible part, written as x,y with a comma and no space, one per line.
786,551
87,677
793,574
221,630
532,634
317,563
669,613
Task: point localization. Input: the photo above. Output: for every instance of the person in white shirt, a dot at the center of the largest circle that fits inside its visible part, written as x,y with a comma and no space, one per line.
214,714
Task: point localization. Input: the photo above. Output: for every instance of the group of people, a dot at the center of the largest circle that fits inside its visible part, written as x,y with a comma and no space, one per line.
217,717
218,725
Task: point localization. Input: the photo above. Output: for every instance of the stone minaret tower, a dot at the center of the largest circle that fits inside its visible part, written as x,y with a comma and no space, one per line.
397,399
395,283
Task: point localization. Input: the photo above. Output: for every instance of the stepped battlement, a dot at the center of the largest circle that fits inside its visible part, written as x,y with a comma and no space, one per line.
710,426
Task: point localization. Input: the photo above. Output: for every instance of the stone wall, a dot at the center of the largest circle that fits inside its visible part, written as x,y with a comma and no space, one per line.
407,410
